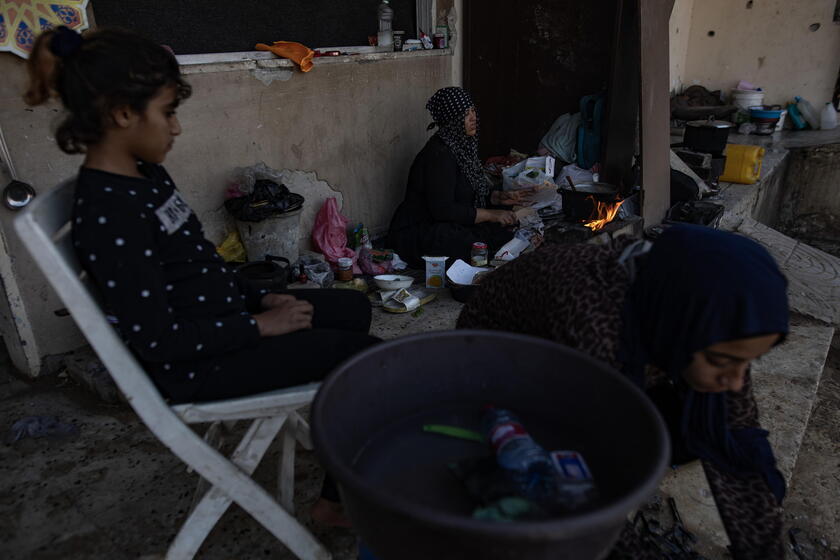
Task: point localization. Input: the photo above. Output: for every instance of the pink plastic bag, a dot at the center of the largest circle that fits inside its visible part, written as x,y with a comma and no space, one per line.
329,234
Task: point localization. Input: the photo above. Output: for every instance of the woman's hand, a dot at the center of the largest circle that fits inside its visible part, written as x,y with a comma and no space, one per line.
511,198
504,217
287,315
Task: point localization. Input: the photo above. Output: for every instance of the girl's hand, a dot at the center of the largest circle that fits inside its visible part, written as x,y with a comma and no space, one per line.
289,316
270,301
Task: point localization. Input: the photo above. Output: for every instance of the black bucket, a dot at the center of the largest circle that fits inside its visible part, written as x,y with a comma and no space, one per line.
367,427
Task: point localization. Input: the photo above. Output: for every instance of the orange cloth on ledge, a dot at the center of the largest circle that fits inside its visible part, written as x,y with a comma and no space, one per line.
297,53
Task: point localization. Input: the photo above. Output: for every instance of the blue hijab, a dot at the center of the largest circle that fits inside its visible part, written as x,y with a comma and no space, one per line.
697,287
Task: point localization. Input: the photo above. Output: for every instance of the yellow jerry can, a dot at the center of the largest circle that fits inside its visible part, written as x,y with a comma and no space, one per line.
743,164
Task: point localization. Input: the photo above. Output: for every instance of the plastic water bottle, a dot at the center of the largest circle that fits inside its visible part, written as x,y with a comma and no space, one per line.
808,112
385,37
528,464
828,117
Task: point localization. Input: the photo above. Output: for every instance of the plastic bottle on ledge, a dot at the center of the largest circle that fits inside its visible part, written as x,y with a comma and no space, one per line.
385,38
528,464
828,117
808,112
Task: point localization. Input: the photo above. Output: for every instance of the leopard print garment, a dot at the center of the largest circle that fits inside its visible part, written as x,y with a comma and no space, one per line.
751,514
583,285
573,294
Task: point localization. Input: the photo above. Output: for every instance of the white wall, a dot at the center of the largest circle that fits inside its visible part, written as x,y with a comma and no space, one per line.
769,44
680,30
357,124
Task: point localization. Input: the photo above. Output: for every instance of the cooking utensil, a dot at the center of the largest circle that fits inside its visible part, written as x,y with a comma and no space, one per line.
579,204
571,182
707,136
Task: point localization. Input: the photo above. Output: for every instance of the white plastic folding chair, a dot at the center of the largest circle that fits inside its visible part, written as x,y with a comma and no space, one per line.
44,229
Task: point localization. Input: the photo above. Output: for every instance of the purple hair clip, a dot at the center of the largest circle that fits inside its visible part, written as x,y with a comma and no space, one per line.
65,42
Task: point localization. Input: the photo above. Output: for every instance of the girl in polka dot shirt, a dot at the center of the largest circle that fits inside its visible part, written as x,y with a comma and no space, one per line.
201,333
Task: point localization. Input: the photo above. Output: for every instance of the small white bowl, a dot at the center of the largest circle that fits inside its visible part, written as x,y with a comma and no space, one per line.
393,281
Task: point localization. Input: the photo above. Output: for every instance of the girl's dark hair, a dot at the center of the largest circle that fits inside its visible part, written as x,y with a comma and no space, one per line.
107,68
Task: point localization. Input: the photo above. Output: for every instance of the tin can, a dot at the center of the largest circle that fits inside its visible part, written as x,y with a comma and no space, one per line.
439,41
398,40
478,254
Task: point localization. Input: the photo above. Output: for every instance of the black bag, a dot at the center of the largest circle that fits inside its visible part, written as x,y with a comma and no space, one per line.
683,187
266,200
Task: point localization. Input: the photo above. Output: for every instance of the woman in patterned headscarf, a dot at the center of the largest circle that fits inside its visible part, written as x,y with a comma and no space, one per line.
449,201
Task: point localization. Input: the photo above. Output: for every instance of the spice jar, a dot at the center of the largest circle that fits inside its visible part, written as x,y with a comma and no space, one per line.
478,254
345,269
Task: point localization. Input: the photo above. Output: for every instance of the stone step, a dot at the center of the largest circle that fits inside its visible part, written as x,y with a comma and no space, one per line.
813,275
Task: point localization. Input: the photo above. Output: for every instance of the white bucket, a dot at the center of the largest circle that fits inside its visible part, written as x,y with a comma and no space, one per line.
746,98
273,236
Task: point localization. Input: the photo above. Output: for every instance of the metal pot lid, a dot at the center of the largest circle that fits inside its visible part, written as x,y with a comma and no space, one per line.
593,188
711,123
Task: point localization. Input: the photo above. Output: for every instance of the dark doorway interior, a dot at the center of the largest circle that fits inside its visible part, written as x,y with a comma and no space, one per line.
528,62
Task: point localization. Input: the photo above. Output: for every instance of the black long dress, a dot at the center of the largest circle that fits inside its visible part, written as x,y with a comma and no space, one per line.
437,216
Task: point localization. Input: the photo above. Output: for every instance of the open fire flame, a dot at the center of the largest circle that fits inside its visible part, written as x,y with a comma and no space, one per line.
602,213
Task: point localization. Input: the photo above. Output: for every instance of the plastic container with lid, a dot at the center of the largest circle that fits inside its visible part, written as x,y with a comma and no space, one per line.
478,254
345,269
385,37
808,112
743,164
744,99
828,117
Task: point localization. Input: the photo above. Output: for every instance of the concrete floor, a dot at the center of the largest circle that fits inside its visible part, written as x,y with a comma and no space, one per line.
114,492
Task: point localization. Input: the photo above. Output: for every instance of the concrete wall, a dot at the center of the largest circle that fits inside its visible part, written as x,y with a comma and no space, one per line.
766,42
811,205
355,124
680,31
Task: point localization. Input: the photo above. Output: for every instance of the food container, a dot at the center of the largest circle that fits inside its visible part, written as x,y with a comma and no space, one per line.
435,272
390,282
399,37
707,136
478,254
412,45
345,269
744,99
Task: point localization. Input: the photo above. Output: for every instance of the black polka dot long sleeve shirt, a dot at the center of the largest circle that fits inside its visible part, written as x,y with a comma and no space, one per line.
171,296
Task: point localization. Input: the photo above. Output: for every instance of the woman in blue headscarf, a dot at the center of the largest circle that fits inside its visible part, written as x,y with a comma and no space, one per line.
684,319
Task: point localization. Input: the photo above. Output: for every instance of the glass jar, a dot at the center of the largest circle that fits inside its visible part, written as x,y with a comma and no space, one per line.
345,269
478,254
